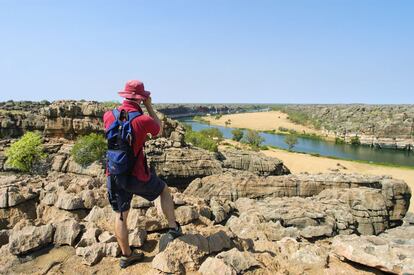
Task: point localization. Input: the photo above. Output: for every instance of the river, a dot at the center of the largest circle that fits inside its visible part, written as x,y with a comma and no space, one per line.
322,147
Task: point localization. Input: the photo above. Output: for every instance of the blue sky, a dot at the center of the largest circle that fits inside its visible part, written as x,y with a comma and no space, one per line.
328,51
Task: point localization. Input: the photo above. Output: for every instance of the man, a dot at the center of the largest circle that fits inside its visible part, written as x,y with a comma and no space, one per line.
141,181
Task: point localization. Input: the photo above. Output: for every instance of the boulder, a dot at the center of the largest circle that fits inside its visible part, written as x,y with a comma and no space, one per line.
213,266
30,238
219,241
92,254
254,162
391,252
90,236
52,214
106,237
66,232
139,202
67,201
58,162
221,210
49,198
238,260
94,169
15,194
137,237
184,253
104,217
112,249
186,214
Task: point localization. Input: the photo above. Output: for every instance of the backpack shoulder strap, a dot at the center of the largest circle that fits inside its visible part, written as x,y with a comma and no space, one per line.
116,113
133,115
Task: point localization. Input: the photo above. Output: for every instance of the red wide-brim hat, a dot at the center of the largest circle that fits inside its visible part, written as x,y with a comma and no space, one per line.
134,89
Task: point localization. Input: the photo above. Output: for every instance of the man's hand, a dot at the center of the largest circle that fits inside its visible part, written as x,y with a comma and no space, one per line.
148,105
147,102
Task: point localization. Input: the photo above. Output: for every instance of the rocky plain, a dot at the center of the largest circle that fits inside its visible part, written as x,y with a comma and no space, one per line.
242,212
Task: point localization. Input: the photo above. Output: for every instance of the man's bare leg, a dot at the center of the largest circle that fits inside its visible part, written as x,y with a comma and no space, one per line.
121,232
167,205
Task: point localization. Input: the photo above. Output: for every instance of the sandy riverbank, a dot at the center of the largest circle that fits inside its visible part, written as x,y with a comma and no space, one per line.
261,121
298,163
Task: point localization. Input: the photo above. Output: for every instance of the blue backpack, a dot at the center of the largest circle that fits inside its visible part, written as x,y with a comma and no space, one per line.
120,155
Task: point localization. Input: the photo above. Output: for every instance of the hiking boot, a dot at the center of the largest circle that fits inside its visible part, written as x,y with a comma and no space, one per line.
168,237
176,232
131,259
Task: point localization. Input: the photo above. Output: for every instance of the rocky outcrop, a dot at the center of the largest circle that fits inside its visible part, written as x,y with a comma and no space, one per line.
185,110
332,212
15,124
384,126
71,118
16,117
234,184
178,166
264,234
66,118
254,162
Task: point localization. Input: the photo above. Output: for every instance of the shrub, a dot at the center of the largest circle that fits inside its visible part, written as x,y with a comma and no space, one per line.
88,149
26,152
291,141
237,134
201,140
253,138
212,133
227,122
283,129
339,140
355,140
218,116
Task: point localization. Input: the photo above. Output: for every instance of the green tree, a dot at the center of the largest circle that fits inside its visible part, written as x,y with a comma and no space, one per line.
25,152
253,138
227,122
212,133
88,149
291,141
237,134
